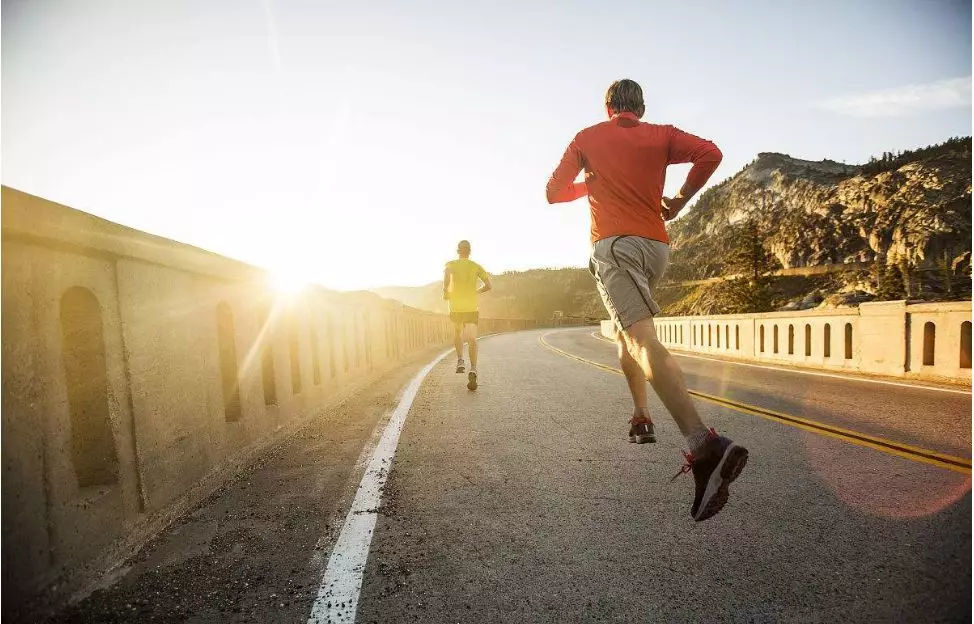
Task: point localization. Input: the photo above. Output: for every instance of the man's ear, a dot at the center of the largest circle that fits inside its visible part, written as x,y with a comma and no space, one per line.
609,111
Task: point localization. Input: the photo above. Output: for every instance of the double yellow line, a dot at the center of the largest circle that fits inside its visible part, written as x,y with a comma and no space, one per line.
890,447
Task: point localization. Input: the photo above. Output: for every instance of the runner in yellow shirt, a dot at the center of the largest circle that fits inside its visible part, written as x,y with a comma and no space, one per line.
460,288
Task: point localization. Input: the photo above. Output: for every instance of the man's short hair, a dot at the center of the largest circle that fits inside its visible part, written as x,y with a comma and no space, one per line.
463,247
625,96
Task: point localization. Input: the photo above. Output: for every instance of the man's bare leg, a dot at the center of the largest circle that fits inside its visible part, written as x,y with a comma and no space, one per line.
458,344
470,331
635,377
664,374
714,460
641,429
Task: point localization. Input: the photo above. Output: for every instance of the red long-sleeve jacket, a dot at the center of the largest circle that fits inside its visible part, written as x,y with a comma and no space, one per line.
625,164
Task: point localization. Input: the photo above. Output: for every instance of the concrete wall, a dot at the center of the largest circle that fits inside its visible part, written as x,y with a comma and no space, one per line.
921,341
138,371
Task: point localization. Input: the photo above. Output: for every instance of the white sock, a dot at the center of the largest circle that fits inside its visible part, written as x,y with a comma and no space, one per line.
697,439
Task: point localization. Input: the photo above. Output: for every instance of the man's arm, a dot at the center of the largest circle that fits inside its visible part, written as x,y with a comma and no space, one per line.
705,156
446,283
485,278
562,186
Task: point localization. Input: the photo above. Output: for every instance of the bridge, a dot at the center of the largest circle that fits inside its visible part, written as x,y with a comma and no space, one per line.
182,444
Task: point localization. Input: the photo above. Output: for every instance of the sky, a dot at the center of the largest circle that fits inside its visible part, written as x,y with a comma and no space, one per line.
353,144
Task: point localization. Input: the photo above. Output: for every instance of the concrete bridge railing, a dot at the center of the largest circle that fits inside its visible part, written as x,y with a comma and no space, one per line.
929,341
138,373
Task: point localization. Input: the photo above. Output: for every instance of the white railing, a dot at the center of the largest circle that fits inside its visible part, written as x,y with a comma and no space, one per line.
923,341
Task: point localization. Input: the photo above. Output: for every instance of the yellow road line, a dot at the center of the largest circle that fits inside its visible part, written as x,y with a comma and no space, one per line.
890,447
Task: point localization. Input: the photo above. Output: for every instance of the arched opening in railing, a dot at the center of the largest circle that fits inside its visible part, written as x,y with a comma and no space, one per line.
227,347
357,339
86,379
761,338
346,360
808,340
848,341
331,336
315,358
737,337
775,339
294,351
827,340
681,334
710,341
367,338
718,336
965,344
929,343
791,339
727,336
268,375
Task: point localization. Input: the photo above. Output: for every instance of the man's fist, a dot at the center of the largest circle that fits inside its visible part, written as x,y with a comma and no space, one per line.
672,207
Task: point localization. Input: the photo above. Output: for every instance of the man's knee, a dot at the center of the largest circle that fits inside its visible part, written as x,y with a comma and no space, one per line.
622,346
641,338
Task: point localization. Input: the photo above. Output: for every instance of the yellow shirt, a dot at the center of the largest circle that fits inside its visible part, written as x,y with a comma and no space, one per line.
464,274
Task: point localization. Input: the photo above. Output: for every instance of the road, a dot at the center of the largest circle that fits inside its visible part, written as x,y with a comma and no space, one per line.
523,501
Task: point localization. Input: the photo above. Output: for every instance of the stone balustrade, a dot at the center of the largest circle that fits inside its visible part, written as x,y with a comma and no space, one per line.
138,373
930,341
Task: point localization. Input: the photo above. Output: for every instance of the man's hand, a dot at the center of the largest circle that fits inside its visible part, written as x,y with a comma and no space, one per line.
672,207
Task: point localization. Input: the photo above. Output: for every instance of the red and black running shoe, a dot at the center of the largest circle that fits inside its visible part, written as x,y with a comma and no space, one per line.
641,430
714,468
460,367
472,380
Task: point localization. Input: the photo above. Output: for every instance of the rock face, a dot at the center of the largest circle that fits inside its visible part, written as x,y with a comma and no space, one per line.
913,208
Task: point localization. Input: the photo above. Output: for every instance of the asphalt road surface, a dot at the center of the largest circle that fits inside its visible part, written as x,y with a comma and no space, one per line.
524,502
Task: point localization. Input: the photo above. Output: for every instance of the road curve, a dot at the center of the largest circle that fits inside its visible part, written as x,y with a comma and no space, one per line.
523,501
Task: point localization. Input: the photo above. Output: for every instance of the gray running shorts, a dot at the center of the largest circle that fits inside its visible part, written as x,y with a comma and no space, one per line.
626,270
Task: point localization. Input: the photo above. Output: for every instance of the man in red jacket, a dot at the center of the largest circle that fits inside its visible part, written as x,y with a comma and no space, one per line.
625,164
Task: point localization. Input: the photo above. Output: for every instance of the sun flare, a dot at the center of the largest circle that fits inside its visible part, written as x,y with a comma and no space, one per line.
288,281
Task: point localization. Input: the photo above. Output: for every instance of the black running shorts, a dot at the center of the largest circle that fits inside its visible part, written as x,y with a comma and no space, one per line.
462,318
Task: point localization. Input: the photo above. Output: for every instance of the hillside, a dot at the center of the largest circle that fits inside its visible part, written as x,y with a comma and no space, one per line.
896,227
534,294
912,208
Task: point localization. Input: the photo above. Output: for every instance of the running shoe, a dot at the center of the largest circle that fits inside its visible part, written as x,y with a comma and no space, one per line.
714,468
460,368
641,430
472,381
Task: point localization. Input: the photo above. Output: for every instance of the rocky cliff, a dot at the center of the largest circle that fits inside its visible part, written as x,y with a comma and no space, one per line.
912,208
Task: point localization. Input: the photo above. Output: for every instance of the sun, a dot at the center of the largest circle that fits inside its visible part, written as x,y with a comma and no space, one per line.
288,282
289,278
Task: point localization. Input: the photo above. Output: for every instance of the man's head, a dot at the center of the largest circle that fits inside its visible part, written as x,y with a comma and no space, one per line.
463,248
625,96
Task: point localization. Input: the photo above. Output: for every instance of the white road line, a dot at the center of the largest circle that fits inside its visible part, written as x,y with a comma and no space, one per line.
338,593
804,372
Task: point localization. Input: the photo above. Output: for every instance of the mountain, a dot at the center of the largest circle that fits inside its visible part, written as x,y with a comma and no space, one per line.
912,208
535,294
817,232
